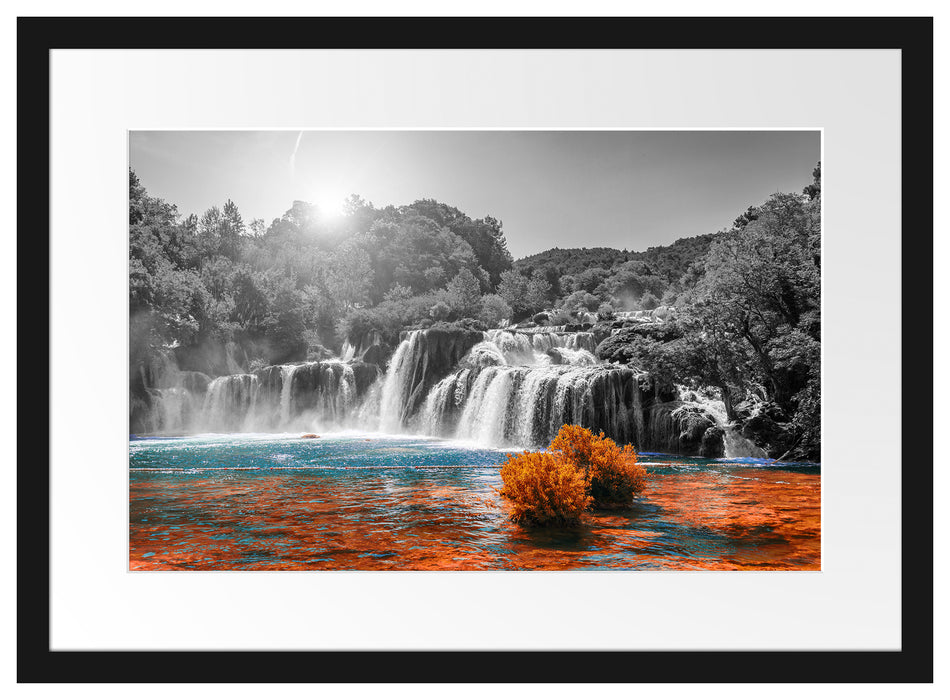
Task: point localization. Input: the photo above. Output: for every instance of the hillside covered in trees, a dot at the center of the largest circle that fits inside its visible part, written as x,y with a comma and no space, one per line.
306,282
226,296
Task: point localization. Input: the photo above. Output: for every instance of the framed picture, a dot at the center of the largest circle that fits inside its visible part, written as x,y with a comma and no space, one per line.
386,531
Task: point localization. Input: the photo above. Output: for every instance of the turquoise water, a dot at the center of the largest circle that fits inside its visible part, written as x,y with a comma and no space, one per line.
244,451
269,451
369,501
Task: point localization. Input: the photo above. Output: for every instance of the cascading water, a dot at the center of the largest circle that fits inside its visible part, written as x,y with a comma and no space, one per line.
228,401
734,444
286,381
500,388
280,397
518,389
394,387
174,396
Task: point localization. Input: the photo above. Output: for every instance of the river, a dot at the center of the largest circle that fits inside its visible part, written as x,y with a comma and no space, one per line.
371,501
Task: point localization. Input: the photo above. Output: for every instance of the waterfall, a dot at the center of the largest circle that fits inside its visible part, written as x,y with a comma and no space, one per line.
738,446
526,406
177,406
734,444
540,347
500,388
287,379
319,395
170,398
422,359
279,397
518,388
397,381
228,401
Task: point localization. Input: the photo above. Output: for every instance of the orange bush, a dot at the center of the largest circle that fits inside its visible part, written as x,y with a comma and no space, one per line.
579,469
544,488
613,476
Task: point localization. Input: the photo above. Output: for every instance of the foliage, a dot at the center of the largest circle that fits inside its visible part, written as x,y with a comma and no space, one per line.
465,325
570,261
612,474
748,322
813,191
513,289
580,302
621,279
463,294
212,279
493,310
349,276
484,236
544,489
440,311
578,471
359,322
538,292
605,312
648,302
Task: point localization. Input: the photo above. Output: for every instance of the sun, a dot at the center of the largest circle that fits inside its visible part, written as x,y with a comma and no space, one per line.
330,204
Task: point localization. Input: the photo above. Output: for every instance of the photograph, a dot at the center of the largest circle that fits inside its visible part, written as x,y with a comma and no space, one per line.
474,349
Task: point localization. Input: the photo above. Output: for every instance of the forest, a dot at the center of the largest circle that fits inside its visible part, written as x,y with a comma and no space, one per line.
744,303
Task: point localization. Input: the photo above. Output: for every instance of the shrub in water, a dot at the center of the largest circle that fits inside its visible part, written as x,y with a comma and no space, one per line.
579,470
612,474
544,488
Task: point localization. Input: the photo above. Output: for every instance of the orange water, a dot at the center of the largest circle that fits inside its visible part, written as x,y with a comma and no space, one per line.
694,514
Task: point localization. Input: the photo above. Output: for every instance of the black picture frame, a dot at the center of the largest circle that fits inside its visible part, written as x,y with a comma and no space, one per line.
913,37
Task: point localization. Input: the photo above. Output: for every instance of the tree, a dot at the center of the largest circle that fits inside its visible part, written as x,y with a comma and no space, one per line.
440,311
762,283
416,252
630,281
250,299
286,324
539,292
398,293
493,310
349,277
813,191
580,302
513,288
484,236
463,294
746,218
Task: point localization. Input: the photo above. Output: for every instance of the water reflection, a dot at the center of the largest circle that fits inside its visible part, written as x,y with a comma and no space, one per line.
191,508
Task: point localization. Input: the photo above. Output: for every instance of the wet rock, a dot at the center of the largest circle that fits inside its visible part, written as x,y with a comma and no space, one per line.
434,354
577,327
377,354
195,382
365,374
677,428
768,429
713,443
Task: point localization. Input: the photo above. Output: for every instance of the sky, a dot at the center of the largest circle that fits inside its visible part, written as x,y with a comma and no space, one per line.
569,189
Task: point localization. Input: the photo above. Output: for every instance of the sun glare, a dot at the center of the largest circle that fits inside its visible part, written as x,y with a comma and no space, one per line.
330,204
